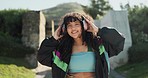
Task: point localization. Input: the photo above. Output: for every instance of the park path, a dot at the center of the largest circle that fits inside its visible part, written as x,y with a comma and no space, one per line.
41,71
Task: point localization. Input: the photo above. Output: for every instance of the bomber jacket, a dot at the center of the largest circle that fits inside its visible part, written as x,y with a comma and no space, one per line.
110,42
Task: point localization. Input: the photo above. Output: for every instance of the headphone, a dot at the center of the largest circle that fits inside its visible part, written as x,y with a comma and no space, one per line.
62,31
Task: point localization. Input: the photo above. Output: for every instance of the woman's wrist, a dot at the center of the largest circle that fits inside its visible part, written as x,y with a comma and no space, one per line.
55,37
96,31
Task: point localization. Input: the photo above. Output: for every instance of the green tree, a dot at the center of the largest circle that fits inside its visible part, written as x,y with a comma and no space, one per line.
97,8
138,22
11,21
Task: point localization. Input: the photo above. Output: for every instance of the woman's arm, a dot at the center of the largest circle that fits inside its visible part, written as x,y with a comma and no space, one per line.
44,55
112,40
45,52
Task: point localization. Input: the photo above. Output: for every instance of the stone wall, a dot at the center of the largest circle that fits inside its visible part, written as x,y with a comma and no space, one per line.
119,20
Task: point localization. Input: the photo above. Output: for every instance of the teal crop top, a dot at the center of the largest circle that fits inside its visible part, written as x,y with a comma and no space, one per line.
82,62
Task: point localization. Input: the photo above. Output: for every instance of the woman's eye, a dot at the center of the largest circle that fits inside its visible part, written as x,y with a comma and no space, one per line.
76,24
69,26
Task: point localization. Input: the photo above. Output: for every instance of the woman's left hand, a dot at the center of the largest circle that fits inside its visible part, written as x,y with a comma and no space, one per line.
91,27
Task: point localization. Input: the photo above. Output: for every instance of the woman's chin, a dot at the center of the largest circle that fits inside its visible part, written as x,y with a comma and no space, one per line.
76,36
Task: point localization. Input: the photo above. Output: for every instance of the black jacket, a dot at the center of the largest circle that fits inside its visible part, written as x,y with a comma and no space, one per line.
111,39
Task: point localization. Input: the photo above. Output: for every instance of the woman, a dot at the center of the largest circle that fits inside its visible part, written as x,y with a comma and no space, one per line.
79,49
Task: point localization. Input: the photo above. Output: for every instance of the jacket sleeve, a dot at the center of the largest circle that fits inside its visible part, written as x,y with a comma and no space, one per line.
44,55
112,40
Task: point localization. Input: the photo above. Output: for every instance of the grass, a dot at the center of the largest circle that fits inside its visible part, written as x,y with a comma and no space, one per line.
135,70
12,58
15,68
13,71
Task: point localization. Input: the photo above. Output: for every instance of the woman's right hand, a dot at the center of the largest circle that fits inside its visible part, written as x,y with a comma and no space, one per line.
57,33
91,27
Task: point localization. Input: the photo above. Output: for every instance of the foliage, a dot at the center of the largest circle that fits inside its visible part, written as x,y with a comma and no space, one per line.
138,60
97,8
138,22
134,70
138,19
138,53
12,47
11,21
13,71
139,37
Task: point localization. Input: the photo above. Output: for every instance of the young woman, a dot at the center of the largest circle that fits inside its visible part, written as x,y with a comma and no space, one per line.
79,49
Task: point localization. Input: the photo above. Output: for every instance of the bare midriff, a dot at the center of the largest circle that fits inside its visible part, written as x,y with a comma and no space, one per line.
81,75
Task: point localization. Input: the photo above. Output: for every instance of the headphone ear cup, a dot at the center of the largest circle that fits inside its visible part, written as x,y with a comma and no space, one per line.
62,29
85,25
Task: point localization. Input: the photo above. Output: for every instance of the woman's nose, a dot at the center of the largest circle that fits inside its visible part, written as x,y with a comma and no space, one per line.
73,27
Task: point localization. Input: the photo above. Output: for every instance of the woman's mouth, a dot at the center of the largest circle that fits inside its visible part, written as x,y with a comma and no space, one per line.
74,32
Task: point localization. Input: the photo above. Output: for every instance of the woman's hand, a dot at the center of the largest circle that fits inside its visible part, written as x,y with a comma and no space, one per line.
91,27
57,33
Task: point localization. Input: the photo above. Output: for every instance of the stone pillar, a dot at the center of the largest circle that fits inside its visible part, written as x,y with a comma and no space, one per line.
42,28
33,32
52,25
30,29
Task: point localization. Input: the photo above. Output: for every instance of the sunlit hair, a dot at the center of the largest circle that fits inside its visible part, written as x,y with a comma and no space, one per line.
77,16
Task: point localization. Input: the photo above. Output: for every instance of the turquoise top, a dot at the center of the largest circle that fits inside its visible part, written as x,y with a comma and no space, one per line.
82,62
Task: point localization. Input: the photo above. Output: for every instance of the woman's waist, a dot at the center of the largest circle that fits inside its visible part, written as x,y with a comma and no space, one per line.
81,75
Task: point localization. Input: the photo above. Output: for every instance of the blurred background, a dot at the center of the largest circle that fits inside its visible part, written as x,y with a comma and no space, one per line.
25,23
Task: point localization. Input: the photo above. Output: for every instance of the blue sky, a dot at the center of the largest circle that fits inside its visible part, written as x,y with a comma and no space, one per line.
44,4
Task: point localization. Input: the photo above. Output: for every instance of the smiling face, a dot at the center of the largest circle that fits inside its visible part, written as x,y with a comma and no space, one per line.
74,29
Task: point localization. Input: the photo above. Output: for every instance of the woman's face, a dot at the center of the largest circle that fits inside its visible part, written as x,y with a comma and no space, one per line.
74,29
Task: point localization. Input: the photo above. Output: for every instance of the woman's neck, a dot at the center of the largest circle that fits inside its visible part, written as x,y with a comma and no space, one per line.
78,42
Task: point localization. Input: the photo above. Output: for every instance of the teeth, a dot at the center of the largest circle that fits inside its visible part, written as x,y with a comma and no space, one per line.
74,32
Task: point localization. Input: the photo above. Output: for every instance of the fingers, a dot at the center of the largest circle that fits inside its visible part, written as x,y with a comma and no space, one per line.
59,27
57,33
58,30
89,30
88,21
91,26
60,36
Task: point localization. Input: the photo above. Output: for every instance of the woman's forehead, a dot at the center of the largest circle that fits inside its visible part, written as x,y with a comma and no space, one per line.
71,19
77,21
